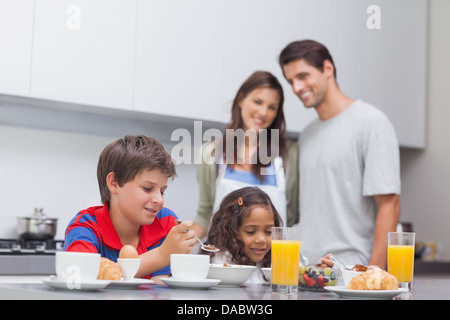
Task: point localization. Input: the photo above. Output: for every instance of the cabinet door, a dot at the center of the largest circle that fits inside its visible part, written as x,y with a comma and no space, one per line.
179,58
84,51
16,19
399,87
255,33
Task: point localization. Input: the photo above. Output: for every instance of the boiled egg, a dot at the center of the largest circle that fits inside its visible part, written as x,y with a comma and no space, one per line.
128,252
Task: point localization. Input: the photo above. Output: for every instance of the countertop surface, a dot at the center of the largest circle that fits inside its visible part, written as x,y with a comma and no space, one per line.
33,288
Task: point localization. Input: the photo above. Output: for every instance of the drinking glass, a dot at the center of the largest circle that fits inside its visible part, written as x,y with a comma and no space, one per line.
401,257
285,259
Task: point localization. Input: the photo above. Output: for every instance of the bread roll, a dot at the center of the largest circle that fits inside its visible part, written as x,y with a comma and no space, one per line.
109,270
373,279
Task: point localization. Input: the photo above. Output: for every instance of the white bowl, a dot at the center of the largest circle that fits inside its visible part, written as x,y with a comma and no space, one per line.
231,275
347,276
267,272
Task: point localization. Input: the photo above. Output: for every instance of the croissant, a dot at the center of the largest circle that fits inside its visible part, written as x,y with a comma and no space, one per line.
373,279
109,270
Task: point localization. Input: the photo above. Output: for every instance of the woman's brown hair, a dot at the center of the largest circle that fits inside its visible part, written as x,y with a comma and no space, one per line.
259,79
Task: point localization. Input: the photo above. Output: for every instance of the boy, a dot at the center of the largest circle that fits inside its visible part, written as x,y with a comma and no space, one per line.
132,174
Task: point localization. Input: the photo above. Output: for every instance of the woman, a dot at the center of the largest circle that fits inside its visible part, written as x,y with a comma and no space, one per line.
266,158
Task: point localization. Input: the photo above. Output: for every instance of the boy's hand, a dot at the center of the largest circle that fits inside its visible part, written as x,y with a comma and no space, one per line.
179,239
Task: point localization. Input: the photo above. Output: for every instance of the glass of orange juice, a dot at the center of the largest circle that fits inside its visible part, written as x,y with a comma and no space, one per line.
401,257
285,255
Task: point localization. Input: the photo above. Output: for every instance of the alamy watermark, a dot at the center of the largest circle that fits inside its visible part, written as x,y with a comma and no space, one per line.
373,22
73,280
186,150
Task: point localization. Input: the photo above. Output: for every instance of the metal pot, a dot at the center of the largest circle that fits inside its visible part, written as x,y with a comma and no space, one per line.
37,227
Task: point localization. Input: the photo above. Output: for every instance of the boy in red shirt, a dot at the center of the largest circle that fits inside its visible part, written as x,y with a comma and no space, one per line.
132,173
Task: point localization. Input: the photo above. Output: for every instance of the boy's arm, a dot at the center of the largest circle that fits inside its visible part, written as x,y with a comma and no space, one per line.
179,240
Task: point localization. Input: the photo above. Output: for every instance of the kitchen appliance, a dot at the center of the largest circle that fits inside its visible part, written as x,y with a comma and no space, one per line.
38,226
30,246
28,256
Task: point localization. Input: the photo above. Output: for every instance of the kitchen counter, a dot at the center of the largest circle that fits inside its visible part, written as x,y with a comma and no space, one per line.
32,288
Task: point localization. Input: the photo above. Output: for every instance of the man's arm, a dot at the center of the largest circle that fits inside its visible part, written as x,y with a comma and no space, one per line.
387,219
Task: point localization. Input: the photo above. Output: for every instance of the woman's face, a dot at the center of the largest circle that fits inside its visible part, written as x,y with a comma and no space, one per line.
256,233
259,108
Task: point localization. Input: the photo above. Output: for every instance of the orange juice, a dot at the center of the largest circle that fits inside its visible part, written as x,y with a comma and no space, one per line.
401,262
285,261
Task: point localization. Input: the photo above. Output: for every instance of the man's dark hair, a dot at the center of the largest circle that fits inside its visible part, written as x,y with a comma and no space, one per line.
313,52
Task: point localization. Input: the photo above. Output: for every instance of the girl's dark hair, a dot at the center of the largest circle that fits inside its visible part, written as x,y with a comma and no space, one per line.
224,230
129,156
313,52
259,79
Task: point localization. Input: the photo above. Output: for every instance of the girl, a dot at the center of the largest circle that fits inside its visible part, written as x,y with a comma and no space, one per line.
257,107
242,230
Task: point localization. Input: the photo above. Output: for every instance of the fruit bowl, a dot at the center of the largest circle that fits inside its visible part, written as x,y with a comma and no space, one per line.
316,278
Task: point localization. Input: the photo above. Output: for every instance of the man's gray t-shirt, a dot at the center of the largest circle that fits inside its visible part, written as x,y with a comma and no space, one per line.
344,162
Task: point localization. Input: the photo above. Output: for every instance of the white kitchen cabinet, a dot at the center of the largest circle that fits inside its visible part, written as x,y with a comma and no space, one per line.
83,51
255,33
187,58
395,68
179,58
379,49
16,29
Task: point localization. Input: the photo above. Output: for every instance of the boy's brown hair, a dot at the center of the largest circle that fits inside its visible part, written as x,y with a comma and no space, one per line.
129,156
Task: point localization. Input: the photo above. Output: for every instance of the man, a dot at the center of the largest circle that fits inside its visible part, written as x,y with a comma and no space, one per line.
349,164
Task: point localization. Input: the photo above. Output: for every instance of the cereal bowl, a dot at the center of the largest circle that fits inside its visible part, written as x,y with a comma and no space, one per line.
232,275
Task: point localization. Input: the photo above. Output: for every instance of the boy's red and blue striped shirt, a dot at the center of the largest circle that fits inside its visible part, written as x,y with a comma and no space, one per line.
91,230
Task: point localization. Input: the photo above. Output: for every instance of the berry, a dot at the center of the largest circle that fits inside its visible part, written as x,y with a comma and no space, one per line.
310,282
321,281
316,278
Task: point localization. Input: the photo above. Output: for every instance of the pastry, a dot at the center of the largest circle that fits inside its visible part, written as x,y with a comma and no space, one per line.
109,270
373,279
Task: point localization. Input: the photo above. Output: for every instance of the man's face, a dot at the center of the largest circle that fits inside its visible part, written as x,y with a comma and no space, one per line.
307,82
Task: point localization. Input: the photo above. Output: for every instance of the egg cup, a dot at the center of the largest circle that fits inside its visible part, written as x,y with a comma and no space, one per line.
129,267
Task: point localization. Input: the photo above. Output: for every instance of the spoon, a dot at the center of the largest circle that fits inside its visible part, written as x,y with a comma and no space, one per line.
334,259
204,247
303,260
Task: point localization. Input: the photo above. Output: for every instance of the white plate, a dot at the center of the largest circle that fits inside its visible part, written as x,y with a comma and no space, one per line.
204,284
128,284
56,283
366,294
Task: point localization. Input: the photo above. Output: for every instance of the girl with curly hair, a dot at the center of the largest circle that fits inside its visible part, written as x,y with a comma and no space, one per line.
242,230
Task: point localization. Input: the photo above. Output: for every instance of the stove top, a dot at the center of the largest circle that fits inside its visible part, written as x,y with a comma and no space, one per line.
30,246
